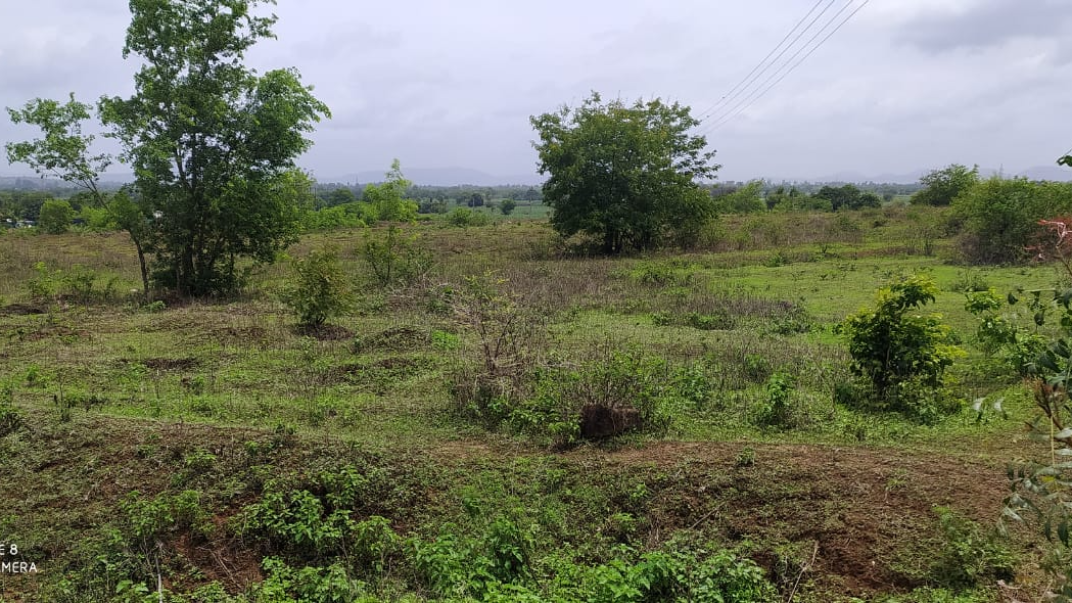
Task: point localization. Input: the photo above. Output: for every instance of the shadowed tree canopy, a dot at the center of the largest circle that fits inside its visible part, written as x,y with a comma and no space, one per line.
212,143
628,175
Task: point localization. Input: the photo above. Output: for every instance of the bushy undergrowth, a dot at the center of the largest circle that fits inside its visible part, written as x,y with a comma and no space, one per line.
322,290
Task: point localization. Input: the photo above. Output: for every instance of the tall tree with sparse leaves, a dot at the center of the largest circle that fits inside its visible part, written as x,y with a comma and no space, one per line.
66,153
212,143
628,175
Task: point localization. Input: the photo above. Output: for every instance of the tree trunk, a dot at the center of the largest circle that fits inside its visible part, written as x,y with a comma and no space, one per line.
141,263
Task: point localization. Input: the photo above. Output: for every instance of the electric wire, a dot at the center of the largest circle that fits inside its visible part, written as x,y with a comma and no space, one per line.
731,115
745,81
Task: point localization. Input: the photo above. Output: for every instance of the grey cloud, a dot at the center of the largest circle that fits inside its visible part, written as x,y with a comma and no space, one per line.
994,23
443,84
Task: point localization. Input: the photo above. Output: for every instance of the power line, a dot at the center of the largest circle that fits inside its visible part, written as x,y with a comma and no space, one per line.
731,117
726,97
755,93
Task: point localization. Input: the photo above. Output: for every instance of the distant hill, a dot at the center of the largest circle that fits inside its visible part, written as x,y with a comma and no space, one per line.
442,177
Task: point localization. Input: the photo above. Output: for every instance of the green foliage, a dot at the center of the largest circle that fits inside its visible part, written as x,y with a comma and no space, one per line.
461,569
322,291
1001,217
745,200
55,216
285,584
1042,489
1003,334
211,142
10,418
350,215
316,521
463,217
901,354
147,521
387,198
64,152
778,410
625,175
848,196
971,556
616,392
78,284
394,258
507,206
942,186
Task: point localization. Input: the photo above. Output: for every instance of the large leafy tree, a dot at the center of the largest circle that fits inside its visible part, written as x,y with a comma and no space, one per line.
212,143
944,185
628,175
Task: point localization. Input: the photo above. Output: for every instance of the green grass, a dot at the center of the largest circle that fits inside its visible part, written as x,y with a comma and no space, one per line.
238,380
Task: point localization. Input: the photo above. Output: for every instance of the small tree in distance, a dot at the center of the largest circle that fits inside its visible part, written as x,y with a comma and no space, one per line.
55,216
627,175
946,184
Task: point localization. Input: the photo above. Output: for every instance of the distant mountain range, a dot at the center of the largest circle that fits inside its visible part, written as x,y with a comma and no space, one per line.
441,177
1058,173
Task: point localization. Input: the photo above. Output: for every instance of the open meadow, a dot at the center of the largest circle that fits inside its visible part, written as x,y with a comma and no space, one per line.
220,451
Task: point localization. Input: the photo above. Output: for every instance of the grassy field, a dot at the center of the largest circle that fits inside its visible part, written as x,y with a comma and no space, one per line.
209,447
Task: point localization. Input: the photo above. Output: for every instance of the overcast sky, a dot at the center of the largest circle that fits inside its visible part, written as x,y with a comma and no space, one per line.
906,84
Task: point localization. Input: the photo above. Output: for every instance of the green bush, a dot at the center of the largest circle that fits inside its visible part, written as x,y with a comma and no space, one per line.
614,393
463,217
322,291
899,353
942,186
10,418
1001,217
395,259
971,556
55,216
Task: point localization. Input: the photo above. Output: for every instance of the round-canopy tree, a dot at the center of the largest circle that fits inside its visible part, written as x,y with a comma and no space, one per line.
212,143
944,185
628,175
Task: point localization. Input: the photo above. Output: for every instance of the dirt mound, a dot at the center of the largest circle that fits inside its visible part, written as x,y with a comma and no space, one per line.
865,509
325,332
170,364
21,310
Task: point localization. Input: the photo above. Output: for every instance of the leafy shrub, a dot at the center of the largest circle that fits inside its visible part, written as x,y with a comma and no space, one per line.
394,258
463,217
614,393
284,584
55,216
899,353
777,409
663,274
507,334
794,320
10,418
1001,216
316,520
942,186
78,284
507,206
757,368
971,556
386,199
1017,345
322,290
